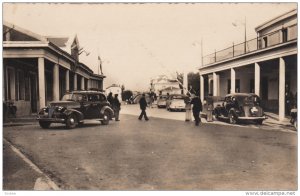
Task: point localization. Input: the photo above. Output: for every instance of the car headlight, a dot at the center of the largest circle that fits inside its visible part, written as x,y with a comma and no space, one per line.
43,111
60,109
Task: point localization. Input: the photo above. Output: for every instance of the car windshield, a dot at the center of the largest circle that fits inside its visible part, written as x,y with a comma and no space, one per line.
163,97
72,97
248,100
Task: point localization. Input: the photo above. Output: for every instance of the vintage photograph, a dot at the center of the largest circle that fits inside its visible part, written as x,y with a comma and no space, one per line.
150,96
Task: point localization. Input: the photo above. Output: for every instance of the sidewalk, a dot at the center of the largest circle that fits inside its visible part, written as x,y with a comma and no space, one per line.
20,121
270,123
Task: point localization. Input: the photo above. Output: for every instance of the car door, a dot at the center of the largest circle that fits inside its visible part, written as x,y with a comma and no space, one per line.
92,110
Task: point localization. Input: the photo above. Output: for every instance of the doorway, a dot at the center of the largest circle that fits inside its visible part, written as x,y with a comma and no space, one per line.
33,93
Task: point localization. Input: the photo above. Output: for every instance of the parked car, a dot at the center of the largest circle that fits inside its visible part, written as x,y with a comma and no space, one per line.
175,102
75,107
240,107
294,120
162,101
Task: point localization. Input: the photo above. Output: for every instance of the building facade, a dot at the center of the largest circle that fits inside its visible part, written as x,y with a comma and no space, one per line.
265,65
162,83
39,69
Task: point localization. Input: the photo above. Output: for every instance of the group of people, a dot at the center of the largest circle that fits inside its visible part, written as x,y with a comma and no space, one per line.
115,104
193,103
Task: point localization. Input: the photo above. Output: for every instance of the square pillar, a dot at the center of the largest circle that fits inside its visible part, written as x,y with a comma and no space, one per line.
215,84
67,80
75,81
41,76
201,88
56,82
257,79
281,91
232,80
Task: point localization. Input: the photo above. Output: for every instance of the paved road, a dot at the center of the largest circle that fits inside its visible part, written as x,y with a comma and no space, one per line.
161,154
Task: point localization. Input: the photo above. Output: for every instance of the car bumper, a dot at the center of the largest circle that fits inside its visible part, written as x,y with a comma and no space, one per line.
177,107
252,118
52,120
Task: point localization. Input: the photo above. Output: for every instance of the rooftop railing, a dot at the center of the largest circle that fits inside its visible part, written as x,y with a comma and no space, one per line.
265,41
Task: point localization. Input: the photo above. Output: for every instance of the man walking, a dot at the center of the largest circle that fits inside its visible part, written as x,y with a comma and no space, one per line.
197,108
116,106
143,105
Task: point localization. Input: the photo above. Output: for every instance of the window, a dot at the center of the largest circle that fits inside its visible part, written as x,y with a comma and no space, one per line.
284,35
265,41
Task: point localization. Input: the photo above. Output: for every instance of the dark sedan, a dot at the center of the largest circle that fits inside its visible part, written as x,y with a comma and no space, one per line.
240,107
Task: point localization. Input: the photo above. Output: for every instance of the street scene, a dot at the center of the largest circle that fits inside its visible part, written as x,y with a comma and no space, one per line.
150,97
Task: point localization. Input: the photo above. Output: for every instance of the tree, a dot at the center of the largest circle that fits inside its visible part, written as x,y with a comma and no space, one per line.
194,83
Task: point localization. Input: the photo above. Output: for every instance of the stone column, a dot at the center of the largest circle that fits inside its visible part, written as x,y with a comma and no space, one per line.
257,79
41,76
75,81
232,79
202,88
55,88
67,80
215,84
281,89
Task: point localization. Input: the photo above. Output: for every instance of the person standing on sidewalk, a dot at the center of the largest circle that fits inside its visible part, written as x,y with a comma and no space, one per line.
197,108
110,98
188,108
116,105
143,105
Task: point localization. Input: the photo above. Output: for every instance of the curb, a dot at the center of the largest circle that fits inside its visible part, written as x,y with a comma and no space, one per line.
50,184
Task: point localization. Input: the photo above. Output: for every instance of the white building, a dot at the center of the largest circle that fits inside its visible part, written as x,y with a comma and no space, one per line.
265,65
162,83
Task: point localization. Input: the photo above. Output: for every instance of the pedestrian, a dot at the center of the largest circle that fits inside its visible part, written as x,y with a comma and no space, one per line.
188,108
110,98
143,105
116,105
197,108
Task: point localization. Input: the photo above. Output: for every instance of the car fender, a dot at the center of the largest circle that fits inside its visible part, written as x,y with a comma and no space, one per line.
107,108
76,112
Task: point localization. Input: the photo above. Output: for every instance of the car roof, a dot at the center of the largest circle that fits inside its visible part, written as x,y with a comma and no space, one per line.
86,92
240,94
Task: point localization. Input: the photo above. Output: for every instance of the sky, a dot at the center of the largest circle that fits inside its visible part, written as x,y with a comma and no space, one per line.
137,42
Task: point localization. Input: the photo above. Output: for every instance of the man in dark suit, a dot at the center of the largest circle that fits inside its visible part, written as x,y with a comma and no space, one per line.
197,108
143,105
116,105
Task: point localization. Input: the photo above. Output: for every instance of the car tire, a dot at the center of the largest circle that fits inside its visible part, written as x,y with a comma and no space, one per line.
71,121
217,115
295,124
106,118
44,125
232,118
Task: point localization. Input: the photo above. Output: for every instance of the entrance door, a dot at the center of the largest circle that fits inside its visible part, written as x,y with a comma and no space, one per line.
33,93
264,88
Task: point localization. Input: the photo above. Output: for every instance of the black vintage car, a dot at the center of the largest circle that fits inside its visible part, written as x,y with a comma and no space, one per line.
240,107
75,107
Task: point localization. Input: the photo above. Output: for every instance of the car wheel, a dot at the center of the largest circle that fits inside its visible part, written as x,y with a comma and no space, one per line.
217,115
71,121
106,117
232,118
44,125
295,124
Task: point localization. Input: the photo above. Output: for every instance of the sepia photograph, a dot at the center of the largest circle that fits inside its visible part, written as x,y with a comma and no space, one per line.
170,96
